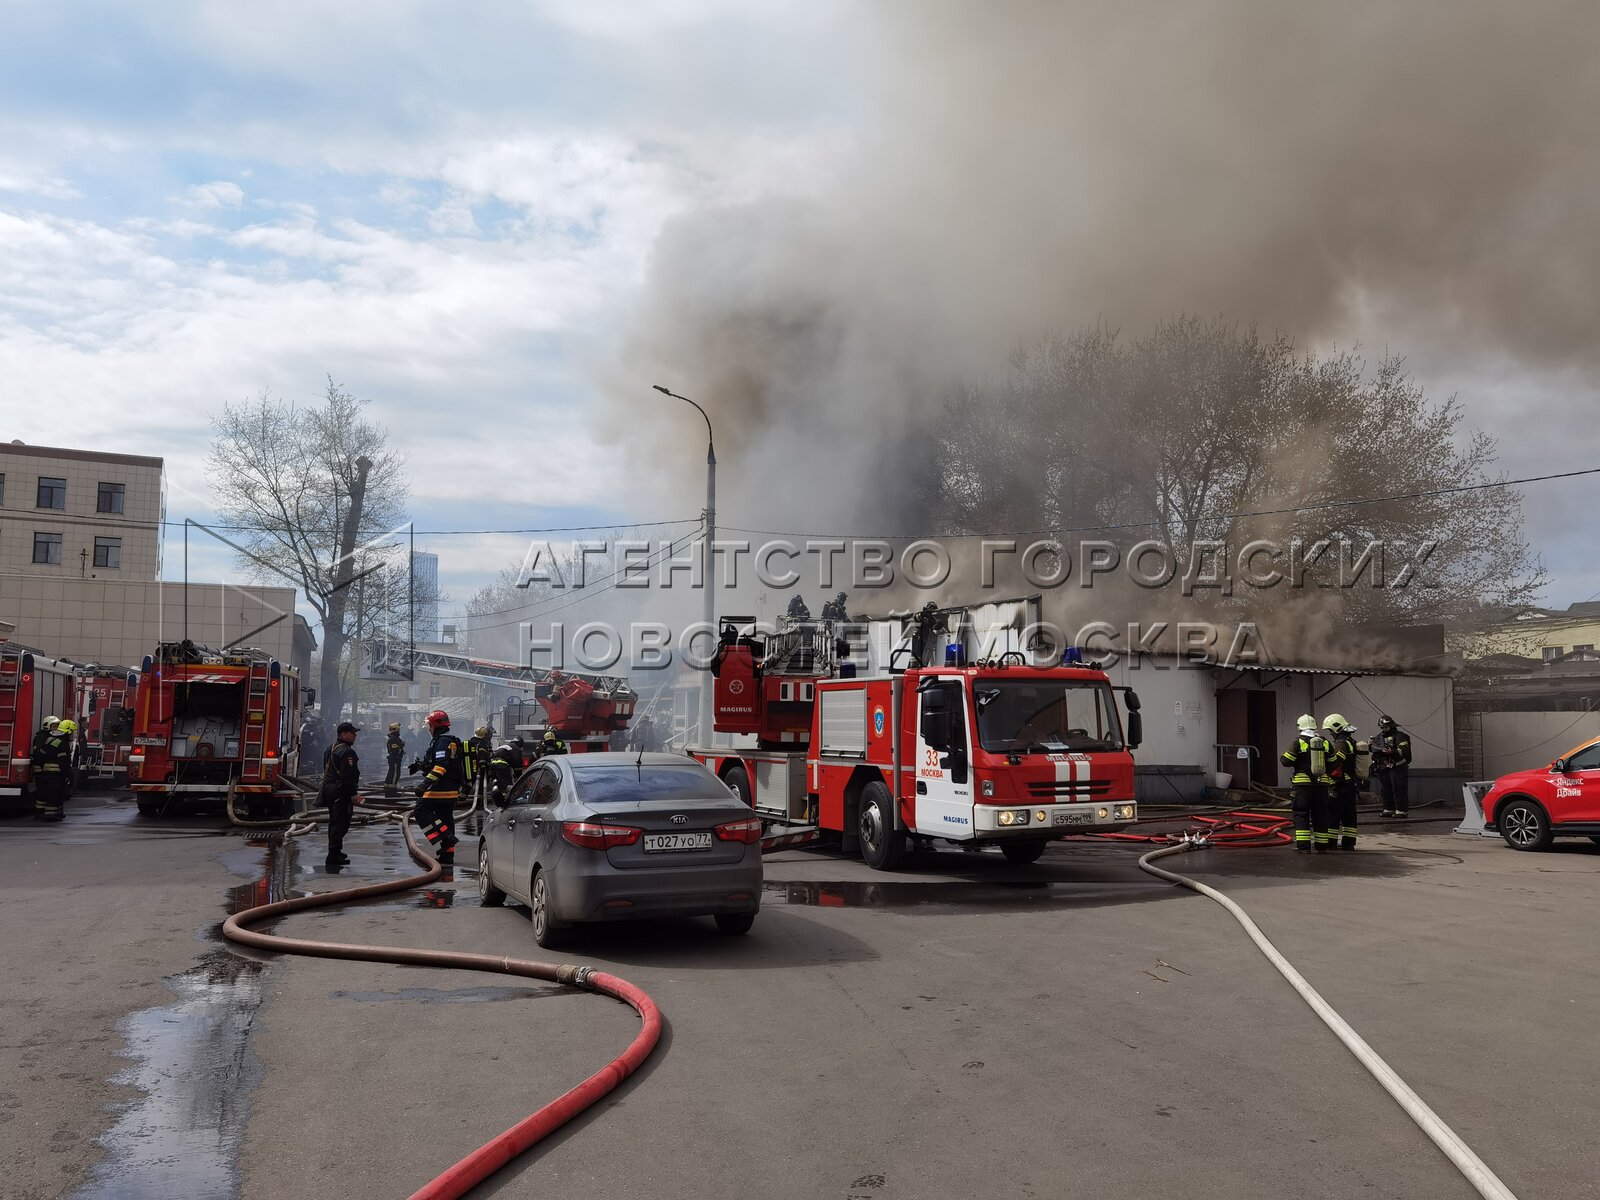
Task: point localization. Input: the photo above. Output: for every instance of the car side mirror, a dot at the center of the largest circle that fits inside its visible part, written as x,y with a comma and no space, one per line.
1559,767
1136,729
935,723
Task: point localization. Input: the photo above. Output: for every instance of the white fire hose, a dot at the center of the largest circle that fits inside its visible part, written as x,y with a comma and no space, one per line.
1473,1168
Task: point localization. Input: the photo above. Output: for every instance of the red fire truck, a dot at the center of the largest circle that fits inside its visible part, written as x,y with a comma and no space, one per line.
104,713
583,711
209,723
938,746
32,687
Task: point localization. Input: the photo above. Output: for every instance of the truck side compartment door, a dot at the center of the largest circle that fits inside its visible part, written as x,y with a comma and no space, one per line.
942,774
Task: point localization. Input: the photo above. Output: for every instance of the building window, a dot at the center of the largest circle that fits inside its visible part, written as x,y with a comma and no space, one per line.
108,552
110,498
1551,653
47,548
1585,646
433,691
52,493
412,692
394,691
2,488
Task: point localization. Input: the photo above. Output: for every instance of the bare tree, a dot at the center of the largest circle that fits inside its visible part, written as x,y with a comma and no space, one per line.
315,494
1206,431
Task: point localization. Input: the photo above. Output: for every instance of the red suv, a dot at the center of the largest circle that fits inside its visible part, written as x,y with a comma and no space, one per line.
1532,808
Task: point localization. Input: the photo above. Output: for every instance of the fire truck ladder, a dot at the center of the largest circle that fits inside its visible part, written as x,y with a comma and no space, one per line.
11,663
255,721
385,659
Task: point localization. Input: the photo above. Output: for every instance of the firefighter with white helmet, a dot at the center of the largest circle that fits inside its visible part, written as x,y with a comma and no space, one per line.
1344,791
1308,757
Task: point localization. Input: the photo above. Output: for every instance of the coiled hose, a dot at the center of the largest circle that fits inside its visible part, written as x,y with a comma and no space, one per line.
496,1153
1473,1168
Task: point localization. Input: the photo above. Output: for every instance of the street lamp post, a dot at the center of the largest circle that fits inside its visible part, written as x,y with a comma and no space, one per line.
708,562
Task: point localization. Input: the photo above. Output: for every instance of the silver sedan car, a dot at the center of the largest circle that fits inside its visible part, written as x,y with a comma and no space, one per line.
610,837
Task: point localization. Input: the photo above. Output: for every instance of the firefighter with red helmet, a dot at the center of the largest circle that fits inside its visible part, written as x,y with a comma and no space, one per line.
445,764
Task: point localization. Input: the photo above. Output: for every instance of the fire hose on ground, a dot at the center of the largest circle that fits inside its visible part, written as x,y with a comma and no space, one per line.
502,1149
1473,1169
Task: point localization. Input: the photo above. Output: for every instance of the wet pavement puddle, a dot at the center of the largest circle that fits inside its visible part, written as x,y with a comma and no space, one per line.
194,1069
988,896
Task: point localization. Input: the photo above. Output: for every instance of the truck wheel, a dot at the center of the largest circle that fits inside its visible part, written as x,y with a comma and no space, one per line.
738,779
149,808
1022,853
1524,826
882,845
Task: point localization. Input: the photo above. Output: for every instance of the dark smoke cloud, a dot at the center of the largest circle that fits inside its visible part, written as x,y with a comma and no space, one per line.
1423,175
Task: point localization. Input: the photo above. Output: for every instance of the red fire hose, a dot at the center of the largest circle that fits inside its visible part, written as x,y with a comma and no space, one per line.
496,1153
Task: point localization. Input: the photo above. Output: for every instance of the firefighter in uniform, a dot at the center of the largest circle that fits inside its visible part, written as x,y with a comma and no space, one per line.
51,760
1308,756
479,748
501,772
341,777
446,765
1345,791
1391,763
551,743
395,747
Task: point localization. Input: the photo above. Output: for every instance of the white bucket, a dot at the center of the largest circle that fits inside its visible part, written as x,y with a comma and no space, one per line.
1221,780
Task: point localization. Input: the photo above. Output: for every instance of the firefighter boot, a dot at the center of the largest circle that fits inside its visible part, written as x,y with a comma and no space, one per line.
1347,842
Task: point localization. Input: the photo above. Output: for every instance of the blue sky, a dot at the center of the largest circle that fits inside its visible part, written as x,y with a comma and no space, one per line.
452,209
445,207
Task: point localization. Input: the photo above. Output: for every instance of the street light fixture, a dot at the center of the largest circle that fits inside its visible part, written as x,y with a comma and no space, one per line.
708,573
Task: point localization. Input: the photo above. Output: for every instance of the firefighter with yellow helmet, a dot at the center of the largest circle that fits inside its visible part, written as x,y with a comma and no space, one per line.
1310,756
1344,791
51,763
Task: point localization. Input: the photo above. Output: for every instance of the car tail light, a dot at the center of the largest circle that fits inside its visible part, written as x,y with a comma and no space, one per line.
747,830
594,836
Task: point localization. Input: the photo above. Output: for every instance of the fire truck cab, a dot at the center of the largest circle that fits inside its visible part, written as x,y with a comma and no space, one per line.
104,713
1015,748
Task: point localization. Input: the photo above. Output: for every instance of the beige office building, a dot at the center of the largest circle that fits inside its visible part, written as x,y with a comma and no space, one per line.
80,566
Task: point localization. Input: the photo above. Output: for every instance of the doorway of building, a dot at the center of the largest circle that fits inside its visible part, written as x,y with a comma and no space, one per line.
1249,718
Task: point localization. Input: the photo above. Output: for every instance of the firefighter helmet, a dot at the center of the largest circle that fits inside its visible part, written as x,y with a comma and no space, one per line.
438,719
1386,722
66,727
482,731
1334,723
549,735
1306,723
51,722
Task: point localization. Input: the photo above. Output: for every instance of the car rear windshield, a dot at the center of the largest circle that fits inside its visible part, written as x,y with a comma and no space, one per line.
631,785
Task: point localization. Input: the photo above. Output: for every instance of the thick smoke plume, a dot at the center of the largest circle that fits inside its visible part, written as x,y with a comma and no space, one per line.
1418,176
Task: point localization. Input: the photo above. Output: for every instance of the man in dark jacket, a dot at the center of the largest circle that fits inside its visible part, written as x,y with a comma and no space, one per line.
395,747
341,777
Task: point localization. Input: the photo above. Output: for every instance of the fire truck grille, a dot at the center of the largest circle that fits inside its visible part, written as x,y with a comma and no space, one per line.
1092,787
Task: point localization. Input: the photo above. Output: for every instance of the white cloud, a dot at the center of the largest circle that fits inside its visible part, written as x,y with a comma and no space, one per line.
31,180
219,193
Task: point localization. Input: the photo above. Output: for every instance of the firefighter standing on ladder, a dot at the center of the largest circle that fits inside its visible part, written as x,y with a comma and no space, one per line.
446,765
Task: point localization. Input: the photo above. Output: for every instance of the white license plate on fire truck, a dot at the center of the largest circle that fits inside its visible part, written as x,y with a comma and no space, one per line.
1072,818
656,843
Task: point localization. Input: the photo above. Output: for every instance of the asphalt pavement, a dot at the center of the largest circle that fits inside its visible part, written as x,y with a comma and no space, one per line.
961,1028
